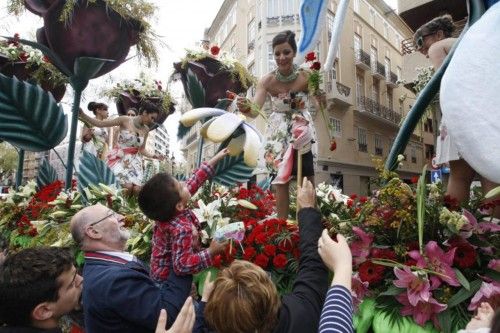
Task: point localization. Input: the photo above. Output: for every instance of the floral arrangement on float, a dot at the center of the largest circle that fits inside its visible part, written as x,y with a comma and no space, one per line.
29,64
129,93
421,262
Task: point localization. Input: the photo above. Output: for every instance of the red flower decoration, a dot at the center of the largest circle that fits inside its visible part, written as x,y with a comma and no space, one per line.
217,261
311,56
262,260
280,261
349,203
465,255
383,254
371,273
333,145
353,196
249,253
316,66
285,245
270,250
363,199
414,179
214,50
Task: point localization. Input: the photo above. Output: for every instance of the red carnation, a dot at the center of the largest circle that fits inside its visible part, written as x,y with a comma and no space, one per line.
349,203
353,196
249,253
262,260
371,273
316,66
311,56
285,245
261,238
414,179
280,261
270,250
217,261
363,199
215,50
465,255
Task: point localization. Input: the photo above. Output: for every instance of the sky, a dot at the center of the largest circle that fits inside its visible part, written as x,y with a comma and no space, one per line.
180,25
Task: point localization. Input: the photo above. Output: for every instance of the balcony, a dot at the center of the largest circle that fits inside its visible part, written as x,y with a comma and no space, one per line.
251,46
362,59
379,112
391,79
338,93
273,21
287,19
378,70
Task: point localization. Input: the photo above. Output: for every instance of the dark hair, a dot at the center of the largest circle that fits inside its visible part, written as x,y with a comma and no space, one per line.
286,36
159,196
443,23
93,106
28,278
132,109
148,107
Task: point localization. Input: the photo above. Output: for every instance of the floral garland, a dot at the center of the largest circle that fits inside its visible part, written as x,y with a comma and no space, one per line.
237,70
43,70
145,87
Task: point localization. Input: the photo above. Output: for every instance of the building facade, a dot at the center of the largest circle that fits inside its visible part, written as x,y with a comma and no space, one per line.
366,103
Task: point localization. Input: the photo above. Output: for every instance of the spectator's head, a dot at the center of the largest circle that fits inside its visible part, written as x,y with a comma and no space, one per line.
244,299
98,228
132,112
435,30
38,286
100,110
162,196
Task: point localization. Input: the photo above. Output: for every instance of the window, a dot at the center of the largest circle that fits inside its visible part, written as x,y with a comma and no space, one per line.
330,18
356,6
429,151
386,30
272,8
372,17
428,126
413,154
360,86
373,58
387,64
288,7
251,35
335,127
362,146
271,64
357,47
379,148
390,98
376,90
332,74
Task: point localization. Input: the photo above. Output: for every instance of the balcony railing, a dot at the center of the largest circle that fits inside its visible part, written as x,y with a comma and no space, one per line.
273,21
378,70
366,104
339,92
343,89
287,19
251,46
392,79
362,59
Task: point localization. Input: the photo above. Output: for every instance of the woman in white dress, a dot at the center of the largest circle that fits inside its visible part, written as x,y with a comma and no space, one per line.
434,40
290,126
95,140
125,159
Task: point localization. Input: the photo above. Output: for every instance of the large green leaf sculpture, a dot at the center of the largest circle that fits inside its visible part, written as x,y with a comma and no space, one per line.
93,171
30,118
46,174
232,170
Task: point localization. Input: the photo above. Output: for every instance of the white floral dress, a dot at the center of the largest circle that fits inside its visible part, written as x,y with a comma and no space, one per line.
279,136
97,146
125,160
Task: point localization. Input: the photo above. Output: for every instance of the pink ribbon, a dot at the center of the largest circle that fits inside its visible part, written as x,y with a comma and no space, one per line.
302,136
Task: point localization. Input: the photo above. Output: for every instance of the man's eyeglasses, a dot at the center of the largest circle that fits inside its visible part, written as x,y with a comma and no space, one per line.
419,43
110,214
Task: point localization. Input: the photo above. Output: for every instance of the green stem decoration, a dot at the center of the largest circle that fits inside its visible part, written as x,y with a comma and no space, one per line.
72,136
20,166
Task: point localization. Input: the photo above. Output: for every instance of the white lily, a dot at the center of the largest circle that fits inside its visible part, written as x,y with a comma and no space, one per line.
226,125
208,213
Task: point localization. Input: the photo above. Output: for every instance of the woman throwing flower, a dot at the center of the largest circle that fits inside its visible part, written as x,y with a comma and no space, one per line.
125,159
290,128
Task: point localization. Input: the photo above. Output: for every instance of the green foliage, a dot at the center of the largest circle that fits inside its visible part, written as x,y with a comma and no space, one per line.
232,170
8,160
93,171
195,91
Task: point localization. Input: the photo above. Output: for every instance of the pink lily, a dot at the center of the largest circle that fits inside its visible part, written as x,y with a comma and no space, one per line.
437,260
494,264
418,288
489,292
476,228
358,290
361,248
423,311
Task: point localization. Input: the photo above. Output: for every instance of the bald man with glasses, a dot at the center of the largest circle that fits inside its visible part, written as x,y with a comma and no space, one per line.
118,294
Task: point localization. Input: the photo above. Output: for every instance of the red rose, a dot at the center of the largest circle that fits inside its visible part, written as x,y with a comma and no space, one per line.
261,238
311,56
285,245
261,260
270,250
280,261
353,196
363,199
217,261
371,273
316,66
333,145
414,179
249,253
215,50
349,203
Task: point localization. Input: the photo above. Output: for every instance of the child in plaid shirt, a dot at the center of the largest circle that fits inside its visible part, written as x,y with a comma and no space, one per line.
177,230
